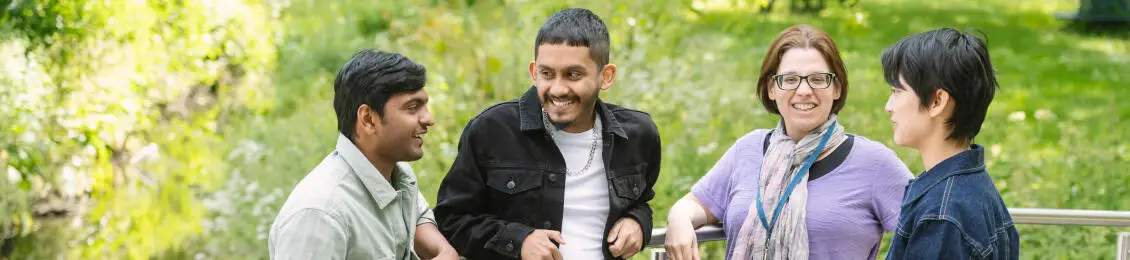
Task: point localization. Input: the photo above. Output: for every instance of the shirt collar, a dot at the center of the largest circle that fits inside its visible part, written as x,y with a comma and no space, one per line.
965,162
530,118
380,189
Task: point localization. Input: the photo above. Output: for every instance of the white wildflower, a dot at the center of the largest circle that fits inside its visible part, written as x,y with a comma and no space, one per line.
1044,114
1016,116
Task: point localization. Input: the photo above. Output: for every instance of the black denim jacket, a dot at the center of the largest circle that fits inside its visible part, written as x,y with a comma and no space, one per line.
509,177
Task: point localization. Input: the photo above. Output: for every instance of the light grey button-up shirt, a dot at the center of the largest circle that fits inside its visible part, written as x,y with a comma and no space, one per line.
345,209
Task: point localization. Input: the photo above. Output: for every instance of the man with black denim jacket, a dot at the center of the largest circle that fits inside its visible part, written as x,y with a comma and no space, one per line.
941,85
556,173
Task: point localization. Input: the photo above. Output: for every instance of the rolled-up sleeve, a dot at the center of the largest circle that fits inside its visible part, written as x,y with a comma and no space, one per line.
308,234
426,214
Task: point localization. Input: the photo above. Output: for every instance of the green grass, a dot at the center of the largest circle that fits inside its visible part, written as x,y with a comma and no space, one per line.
695,73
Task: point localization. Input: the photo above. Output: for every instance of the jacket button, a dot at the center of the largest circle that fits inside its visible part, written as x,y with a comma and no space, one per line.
509,246
636,190
553,178
547,224
510,185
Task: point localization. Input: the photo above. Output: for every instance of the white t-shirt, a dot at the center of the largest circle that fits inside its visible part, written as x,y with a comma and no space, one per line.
586,196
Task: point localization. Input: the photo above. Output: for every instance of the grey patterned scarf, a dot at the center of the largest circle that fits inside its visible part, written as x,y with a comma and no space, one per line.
782,162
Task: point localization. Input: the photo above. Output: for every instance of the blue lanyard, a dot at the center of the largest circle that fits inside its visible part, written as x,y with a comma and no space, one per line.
796,180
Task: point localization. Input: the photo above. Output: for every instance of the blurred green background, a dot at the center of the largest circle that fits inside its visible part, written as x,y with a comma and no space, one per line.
135,129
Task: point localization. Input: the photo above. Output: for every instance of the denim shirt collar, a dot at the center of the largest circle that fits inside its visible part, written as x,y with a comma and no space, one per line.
965,162
531,115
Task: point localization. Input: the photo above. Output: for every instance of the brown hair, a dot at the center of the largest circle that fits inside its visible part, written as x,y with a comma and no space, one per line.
802,36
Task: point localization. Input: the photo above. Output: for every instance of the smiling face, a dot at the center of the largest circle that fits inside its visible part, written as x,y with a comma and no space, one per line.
804,108
915,125
909,121
406,119
568,82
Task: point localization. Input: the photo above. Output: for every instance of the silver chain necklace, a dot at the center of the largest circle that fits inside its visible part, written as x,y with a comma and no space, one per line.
592,151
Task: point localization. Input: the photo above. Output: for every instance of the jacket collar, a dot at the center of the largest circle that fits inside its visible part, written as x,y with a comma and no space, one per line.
965,162
530,118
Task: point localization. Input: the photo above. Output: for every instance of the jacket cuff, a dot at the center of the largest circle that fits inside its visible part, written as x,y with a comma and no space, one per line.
642,214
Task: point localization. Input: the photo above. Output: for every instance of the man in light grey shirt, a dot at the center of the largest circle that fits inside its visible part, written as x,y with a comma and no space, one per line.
362,201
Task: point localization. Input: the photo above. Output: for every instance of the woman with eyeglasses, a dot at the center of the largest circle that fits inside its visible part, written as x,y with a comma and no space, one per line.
805,189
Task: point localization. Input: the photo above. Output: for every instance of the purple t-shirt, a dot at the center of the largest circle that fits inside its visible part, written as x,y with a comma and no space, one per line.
848,209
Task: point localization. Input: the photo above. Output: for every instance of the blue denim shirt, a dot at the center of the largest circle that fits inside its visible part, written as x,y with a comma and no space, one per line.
953,211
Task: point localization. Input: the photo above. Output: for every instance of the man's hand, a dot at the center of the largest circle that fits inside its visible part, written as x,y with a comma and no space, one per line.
626,238
539,245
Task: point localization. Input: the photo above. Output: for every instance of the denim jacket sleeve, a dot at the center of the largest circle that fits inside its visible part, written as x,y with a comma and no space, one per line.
642,212
462,196
937,239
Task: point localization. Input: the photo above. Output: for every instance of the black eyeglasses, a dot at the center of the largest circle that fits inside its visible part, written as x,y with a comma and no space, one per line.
820,80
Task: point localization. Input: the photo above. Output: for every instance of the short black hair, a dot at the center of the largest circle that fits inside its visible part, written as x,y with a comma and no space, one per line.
576,27
951,60
370,78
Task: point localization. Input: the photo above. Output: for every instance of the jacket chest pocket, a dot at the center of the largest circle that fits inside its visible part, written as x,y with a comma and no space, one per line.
512,182
515,193
627,182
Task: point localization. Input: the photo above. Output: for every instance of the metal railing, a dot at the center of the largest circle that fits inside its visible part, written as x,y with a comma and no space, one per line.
1019,216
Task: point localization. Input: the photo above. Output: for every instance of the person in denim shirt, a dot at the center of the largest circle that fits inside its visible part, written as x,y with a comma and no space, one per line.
941,85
